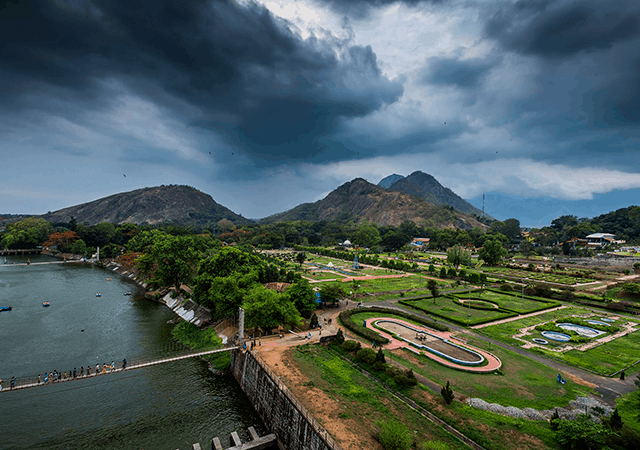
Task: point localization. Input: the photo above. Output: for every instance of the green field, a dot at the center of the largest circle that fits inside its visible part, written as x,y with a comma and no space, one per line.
513,302
322,275
522,383
604,359
449,309
560,278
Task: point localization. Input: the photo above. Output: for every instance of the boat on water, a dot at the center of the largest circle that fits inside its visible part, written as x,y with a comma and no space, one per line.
98,294
5,308
45,304
127,293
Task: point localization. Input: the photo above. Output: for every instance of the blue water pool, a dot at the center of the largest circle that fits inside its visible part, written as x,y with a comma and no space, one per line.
581,330
554,335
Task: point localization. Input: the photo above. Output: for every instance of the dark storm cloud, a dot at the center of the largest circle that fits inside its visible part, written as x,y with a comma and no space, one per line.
560,28
586,49
361,8
245,72
465,74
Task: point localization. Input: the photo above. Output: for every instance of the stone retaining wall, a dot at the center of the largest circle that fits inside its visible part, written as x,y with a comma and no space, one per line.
280,411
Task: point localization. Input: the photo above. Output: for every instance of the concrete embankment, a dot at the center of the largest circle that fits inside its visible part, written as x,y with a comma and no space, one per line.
186,309
294,427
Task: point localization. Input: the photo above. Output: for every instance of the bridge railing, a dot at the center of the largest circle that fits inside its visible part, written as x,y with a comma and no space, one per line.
65,376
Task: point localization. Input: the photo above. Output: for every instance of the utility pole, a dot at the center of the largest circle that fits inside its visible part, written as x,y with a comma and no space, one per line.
483,205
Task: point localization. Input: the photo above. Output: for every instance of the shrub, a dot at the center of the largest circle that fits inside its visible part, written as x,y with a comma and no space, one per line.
393,435
351,346
443,272
313,322
452,273
380,357
339,337
406,378
366,355
505,287
447,393
462,273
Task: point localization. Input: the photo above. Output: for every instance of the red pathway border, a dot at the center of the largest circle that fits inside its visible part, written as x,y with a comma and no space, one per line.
493,362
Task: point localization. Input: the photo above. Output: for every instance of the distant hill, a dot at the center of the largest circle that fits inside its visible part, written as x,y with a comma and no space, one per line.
358,200
178,204
426,186
538,212
386,182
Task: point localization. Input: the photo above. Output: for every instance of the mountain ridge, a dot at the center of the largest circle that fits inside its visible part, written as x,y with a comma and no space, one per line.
358,200
426,186
151,205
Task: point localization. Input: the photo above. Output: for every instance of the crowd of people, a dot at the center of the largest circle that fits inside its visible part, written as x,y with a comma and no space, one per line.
55,376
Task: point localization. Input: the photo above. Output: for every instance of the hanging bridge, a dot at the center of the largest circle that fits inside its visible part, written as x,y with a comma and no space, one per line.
32,382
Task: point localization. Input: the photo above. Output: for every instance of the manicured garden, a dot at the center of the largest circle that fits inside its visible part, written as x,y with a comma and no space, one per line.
539,276
450,308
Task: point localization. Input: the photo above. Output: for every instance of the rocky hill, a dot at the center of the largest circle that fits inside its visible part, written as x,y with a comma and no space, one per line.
426,186
178,204
386,182
358,200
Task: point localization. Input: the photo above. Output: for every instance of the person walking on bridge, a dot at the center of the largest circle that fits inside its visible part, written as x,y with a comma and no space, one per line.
88,370
124,363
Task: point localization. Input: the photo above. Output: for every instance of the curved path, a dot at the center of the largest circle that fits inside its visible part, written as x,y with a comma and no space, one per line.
609,388
493,363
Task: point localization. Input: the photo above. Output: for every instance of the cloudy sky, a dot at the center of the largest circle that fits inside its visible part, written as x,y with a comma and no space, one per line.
267,104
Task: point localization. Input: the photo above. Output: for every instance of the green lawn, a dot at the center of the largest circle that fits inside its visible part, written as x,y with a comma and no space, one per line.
321,275
361,400
605,359
523,383
561,278
513,302
447,308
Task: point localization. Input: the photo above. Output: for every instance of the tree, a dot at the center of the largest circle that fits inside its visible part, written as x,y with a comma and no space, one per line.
615,421
367,236
267,309
78,247
432,285
447,393
175,260
332,293
339,337
492,252
300,257
26,233
581,433
61,240
302,295
458,255
395,240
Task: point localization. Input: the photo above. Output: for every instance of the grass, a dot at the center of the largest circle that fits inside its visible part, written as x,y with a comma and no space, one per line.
321,275
523,383
196,339
513,302
360,399
629,409
449,309
492,431
560,278
607,358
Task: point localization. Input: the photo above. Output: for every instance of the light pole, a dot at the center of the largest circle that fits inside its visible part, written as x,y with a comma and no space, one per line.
522,295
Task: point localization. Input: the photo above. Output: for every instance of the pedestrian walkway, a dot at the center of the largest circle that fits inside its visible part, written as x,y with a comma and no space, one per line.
522,316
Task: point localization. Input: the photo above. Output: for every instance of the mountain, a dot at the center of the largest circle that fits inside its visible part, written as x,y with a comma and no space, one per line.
537,212
386,182
358,200
426,186
178,204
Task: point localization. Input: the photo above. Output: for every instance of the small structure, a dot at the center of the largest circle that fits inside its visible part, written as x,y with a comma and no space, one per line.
419,242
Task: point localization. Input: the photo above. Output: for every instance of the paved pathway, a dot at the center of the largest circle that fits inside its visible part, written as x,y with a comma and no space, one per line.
522,316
